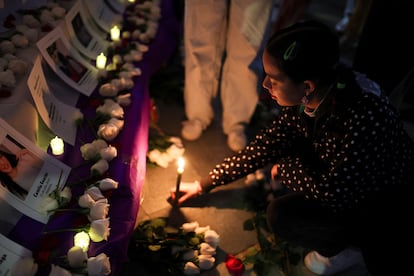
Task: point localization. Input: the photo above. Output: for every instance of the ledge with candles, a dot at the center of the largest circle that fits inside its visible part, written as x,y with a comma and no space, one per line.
128,168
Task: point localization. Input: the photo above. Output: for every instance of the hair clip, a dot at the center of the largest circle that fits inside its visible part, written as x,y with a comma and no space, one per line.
290,52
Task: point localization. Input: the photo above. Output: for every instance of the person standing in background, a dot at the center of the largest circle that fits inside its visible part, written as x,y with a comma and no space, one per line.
222,44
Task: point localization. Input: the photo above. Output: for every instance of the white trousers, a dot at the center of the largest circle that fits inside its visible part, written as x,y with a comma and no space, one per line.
212,27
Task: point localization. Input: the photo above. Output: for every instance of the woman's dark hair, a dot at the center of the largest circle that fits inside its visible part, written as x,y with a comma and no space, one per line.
305,50
6,180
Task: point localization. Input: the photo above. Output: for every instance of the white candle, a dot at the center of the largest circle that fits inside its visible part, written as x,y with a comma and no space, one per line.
180,171
82,240
57,146
115,33
101,61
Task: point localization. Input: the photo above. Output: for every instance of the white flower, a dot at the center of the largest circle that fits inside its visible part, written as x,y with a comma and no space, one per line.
117,59
190,226
161,159
46,16
86,201
100,167
126,83
107,184
17,66
136,55
108,153
175,152
108,90
108,131
59,271
95,193
25,266
77,257
124,99
77,116
30,21
129,58
191,269
91,151
99,230
126,35
206,262
119,123
31,34
7,78
7,47
99,265
202,230
135,34
207,249
99,210
212,238
111,108
48,204
58,12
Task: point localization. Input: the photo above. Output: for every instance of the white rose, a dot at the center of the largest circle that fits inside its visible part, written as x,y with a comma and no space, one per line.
206,261
85,201
77,116
99,265
108,153
91,150
46,16
135,34
31,21
175,152
108,131
212,238
100,167
111,108
117,59
128,66
129,58
48,204
77,257
126,83
99,210
95,193
59,271
136,72
119,123
206,249
7,47
108,90
99,230
201,230
58,12
124,99
24,266
107,184
136,55
190,226
191,269
17,66
7,78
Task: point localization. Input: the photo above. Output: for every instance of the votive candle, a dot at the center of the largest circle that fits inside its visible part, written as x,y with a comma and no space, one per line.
82,240
101,61
57,146
115,33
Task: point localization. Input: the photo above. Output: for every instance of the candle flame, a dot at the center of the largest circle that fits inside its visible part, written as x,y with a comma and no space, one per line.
181,164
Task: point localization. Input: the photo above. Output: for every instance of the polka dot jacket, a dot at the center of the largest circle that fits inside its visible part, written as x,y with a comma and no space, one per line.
356,149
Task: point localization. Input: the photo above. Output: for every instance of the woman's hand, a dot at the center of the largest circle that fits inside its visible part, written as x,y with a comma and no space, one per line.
187,190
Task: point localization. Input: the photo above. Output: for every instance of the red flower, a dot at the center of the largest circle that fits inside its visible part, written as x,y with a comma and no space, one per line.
234,265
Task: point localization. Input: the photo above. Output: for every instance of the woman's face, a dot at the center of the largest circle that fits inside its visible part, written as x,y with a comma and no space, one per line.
280,87
5,164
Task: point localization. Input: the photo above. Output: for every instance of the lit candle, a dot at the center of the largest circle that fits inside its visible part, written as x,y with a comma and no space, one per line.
101,61
82,240
131,1
180,171
115,33
57,146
